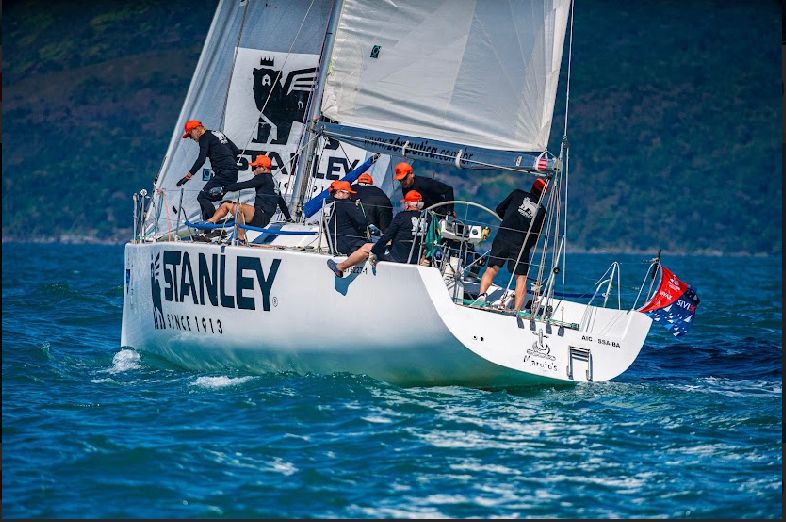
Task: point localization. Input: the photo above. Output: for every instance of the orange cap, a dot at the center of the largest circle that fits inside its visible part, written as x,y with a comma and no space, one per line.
341,185
539,185
366,178
401,170
191,125
260,161
413,196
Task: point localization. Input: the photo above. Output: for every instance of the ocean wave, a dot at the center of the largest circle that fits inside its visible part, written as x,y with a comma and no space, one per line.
215,383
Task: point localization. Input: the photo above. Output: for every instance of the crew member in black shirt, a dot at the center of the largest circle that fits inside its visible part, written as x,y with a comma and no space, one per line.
222,153
433,191
518,211
265,201
347,228
406,229
376,204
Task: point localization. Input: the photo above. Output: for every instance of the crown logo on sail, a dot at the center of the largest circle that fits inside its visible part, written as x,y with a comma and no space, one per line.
266,62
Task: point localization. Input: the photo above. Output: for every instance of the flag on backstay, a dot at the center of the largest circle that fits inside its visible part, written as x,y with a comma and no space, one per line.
673,305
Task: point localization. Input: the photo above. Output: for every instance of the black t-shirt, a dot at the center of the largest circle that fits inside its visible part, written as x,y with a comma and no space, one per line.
346,220
407,227
266,197
433,191
517,211
219,149
376,204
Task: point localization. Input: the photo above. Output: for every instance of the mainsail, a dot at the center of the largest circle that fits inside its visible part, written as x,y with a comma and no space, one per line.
253,81
480,73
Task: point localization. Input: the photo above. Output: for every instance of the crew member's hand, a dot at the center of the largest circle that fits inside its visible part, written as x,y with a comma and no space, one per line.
184,179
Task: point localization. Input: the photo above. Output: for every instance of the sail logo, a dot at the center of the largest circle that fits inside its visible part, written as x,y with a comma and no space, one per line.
205,281
280,99
155,288
266,105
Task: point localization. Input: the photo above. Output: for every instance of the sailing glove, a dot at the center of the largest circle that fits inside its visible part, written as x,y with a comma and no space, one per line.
183,180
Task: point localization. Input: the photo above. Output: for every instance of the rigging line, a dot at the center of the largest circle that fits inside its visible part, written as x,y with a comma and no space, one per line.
567,80
294,157
278,75
565,140
552,219
547,225
312,180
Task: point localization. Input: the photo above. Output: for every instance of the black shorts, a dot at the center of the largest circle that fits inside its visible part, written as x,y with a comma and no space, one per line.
347,245
261,219
504,250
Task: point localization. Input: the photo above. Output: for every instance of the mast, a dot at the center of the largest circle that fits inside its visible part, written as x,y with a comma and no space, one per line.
306,159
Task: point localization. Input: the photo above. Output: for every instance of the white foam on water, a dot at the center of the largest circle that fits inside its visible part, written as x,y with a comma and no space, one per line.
377,419
125,360
283,467
215,383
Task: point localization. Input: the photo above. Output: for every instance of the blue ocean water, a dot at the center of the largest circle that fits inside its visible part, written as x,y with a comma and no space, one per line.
692,430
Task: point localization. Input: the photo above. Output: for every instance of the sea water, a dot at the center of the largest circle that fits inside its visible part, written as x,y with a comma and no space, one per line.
90,429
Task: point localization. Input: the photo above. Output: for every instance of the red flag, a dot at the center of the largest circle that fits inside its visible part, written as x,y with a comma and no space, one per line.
670,290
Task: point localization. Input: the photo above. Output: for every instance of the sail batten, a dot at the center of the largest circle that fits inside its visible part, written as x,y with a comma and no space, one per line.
482,73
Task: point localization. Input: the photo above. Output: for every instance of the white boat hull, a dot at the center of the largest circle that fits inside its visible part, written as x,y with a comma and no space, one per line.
397,323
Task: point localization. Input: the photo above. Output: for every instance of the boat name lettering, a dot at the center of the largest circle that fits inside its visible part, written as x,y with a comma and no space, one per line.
206,280
540,363
604,342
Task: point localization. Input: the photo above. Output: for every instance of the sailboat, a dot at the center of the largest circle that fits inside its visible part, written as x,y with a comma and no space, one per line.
329,90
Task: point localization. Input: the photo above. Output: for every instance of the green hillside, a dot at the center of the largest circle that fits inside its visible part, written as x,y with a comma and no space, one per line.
675,120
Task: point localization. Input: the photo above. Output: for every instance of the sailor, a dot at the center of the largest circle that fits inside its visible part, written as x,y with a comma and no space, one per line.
265,201
521,212
405,233
433,191
222,153
376,204
347,228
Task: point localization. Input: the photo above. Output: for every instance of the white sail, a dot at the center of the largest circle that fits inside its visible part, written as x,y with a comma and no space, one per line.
482,73
252,82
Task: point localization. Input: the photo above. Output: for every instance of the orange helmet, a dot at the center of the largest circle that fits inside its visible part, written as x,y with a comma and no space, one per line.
539,185
341,185
191,125
413,196
401,170
366,178
261,161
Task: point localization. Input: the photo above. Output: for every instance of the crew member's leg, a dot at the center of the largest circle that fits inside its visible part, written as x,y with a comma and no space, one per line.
496,260
488,278
356,257
205,200
520,292
246,215
225,208
520,271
